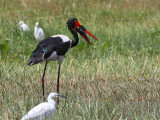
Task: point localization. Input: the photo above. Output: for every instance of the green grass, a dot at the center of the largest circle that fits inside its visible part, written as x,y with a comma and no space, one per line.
117,78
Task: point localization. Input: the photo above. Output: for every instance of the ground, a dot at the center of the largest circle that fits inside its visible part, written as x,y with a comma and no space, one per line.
116,78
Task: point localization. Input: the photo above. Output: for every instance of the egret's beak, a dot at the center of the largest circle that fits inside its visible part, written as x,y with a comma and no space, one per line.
82,31
58,95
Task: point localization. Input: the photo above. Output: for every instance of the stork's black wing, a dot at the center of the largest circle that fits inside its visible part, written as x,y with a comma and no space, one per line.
47,46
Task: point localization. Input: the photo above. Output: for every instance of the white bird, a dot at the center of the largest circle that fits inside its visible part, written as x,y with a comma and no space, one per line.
44,110
38,32
23,26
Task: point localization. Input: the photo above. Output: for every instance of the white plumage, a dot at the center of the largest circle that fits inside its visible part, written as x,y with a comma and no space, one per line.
23,27
63,37
38,32
44,110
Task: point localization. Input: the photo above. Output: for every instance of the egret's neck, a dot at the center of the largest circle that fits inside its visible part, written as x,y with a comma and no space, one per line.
37,26
75,35
51,101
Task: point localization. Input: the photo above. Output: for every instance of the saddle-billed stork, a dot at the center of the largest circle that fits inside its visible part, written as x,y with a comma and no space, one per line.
55,47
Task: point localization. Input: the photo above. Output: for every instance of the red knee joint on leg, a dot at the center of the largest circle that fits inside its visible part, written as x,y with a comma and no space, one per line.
42,80
57,87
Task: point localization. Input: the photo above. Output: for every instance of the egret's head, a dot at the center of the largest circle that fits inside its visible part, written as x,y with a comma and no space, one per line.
20,23
37,24
53,95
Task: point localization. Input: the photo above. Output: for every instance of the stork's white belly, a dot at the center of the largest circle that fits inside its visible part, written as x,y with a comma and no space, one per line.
55,57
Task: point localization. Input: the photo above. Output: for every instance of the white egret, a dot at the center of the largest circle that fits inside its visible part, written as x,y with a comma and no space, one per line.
23,26
44,110
38,32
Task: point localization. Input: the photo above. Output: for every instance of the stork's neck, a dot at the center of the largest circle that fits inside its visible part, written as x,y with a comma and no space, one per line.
75,35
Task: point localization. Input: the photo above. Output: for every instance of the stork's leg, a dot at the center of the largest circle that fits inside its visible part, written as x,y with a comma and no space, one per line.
43,80
58,82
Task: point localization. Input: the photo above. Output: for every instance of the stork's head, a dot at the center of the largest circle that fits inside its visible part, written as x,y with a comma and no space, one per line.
76,26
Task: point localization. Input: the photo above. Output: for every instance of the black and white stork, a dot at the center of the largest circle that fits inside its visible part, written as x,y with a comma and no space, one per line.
55,47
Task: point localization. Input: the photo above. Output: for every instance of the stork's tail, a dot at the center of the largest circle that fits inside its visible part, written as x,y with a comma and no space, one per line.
36,57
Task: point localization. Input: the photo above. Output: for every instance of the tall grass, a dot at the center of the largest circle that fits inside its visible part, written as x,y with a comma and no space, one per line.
117,78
